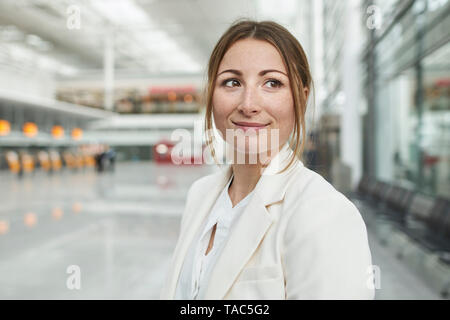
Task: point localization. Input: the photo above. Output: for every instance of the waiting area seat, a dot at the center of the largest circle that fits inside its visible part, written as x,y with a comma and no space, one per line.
410,222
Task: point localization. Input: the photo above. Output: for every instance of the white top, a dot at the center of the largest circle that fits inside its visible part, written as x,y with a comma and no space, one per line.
197,267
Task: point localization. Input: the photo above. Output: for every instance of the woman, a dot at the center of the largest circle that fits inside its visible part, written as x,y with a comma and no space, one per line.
271,228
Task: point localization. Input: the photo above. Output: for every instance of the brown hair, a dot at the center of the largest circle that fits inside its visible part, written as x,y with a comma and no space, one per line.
294,59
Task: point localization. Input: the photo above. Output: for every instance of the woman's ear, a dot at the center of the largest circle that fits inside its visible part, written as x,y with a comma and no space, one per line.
306,91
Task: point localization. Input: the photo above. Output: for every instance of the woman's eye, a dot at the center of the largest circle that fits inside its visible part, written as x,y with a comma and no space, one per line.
230,83
274,83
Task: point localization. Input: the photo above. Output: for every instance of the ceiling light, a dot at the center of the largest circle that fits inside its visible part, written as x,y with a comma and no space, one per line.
38,43
277,9
121,12
10,34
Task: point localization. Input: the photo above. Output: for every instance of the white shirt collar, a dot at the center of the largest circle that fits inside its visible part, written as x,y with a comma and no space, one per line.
224,208
280,160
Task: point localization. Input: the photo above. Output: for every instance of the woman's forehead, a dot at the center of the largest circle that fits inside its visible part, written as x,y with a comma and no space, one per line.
252,55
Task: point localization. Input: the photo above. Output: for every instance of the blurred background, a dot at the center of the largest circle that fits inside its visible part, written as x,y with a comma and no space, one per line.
91,92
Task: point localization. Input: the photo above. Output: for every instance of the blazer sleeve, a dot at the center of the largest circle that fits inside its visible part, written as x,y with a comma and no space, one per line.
330,257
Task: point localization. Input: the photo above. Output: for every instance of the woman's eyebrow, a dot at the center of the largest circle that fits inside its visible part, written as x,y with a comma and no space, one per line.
261,73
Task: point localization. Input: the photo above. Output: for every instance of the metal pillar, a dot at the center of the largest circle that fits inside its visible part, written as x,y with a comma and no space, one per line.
108,71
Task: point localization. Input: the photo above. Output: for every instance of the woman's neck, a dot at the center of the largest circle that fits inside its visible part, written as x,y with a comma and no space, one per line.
245,178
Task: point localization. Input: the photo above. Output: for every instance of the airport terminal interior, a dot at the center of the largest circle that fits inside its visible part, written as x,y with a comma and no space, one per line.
95,94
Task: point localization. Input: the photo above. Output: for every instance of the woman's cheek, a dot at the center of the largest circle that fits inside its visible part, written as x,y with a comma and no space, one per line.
219,119
285,119
222,108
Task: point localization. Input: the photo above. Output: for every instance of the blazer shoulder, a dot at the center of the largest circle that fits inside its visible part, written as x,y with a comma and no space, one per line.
325,243
313,201
309,185
204,182
197,189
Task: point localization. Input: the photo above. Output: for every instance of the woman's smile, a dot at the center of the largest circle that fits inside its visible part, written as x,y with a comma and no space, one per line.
245,126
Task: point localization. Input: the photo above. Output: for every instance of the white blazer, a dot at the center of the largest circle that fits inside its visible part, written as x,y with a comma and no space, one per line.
298,238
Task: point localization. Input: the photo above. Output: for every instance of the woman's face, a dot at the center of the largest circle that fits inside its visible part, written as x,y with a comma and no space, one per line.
252,93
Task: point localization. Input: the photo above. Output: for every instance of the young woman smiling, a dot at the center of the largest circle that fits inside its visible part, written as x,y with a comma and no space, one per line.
270,229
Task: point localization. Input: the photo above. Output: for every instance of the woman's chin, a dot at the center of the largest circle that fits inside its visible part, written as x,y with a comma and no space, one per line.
249,151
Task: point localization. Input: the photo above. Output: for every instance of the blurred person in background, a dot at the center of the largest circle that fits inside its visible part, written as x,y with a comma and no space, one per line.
105,158
311,154
99,158
110,157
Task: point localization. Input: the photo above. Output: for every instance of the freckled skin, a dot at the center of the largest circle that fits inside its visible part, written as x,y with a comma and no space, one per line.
252,97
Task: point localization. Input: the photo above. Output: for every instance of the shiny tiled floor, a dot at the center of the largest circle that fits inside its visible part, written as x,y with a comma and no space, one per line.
119,228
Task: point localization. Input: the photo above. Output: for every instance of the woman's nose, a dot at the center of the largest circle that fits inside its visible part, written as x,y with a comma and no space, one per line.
249,102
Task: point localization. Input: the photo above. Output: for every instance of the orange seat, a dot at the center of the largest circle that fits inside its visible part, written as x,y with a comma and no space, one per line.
27,162
13,161
79,161
55,160
44,160
69,159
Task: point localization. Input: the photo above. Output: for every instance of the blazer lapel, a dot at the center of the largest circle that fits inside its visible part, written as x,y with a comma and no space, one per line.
246,235
251,226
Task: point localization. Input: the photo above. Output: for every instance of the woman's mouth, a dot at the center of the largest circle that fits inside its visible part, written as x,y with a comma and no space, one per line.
250,125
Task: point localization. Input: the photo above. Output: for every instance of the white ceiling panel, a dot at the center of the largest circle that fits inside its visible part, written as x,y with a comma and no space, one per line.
153,36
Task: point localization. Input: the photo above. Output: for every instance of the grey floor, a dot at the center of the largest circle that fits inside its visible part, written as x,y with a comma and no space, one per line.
118,230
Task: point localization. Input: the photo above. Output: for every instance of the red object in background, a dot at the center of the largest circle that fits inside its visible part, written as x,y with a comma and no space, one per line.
162,154
443,82
162,151
430,160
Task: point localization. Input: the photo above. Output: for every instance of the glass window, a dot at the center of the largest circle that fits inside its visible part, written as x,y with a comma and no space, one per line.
435,126
396,149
